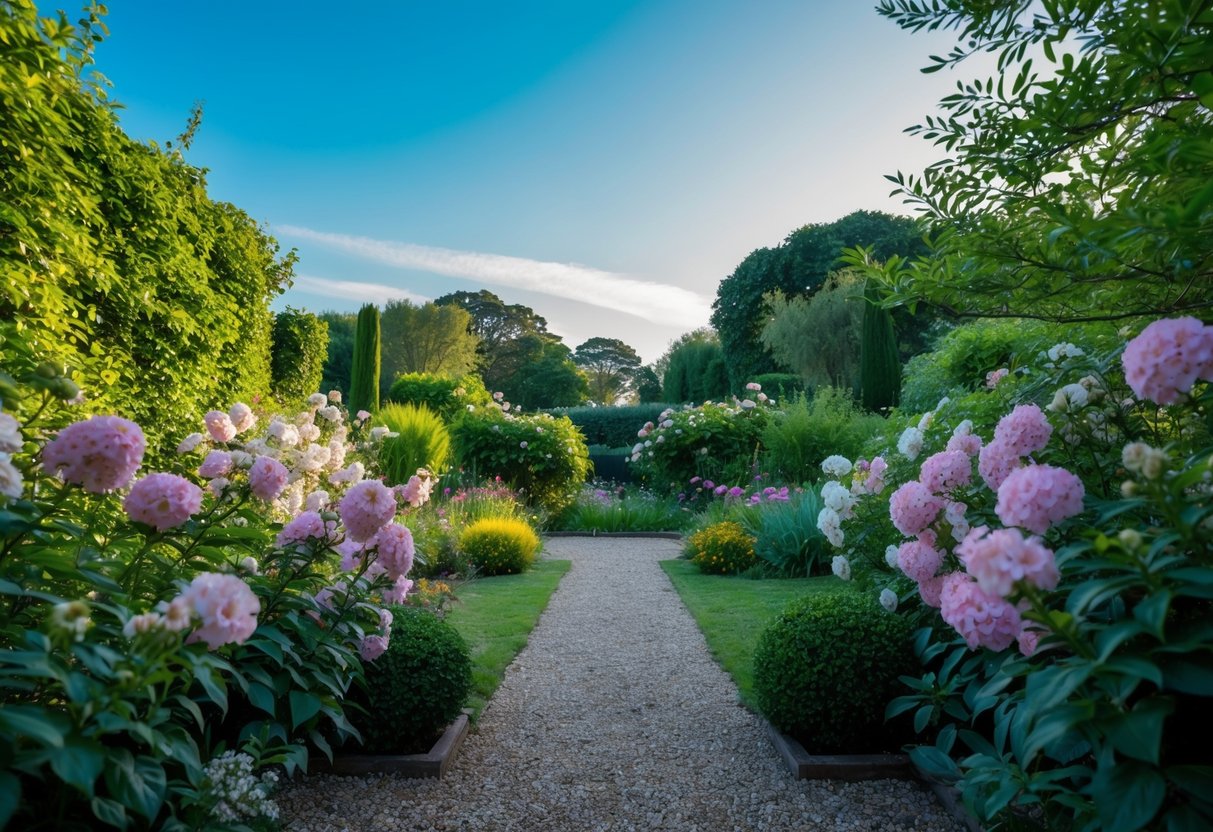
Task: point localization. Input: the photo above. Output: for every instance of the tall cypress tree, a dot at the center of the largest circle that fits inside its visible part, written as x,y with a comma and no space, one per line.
879,364
364,374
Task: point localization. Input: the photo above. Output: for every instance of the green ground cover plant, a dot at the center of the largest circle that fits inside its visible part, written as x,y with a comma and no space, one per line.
495,616
732,613
604,509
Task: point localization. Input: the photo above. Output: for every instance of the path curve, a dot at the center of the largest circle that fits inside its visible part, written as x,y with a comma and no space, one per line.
615,717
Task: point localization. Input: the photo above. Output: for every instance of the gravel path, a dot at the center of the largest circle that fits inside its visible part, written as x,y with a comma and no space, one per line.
615,717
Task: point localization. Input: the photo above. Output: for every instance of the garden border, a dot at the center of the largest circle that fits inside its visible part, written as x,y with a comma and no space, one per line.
432,764
654,535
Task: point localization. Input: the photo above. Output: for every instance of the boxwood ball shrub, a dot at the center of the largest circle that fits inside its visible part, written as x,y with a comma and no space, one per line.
722,549
417,687
825,669
500,545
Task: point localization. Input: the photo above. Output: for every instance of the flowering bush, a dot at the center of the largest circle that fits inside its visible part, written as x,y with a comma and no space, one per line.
151,623
717,441
1077,562
722,549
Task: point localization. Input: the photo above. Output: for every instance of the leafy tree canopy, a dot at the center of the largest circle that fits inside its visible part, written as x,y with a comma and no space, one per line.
340,358
609,365
426,339
502,329
549,378
1078,180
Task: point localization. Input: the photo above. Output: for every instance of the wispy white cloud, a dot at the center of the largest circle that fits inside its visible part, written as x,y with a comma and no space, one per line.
656,302
354,290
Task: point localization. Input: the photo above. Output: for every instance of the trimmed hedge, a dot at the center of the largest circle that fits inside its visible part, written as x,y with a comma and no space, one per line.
613,427
300,347
445,395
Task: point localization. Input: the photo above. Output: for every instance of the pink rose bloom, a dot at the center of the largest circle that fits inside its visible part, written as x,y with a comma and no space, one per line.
919,560
874,484
1039,496
267,477
1024,430
372,647
163,501
969,443
1167,358
99,454
242,417
219,426
365,508
984,620
307,526
913,507
995,376
930,589
995,464
362,416
417,491
999,559
226,606
946,471
1029,639
394,542
398,592
351,554
216,464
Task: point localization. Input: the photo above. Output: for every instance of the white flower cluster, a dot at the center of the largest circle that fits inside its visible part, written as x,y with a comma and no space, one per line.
236,792
11,481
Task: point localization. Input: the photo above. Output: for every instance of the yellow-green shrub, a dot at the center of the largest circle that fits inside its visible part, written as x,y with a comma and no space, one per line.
722,549
500,546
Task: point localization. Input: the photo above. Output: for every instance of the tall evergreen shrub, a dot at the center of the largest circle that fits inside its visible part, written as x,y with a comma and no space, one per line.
879,364
300,347
364,375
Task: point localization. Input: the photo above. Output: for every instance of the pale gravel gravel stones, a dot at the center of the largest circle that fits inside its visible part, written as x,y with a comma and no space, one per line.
614,717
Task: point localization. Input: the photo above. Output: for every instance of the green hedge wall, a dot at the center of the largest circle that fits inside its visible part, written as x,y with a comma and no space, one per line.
613,427
113,259
300,347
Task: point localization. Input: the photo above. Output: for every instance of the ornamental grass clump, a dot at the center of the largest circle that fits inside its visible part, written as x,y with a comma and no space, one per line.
824,670
416,688
722,549
418,438
500,546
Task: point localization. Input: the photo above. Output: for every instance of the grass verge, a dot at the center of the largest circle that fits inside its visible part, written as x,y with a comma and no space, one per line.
495,616
732,612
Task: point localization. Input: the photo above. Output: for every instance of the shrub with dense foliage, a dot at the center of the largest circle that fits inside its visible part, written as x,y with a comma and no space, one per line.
722,549
448,396
300,348
611,427
112,257
417,687
802,432
500,545
545,458
418,438
824,670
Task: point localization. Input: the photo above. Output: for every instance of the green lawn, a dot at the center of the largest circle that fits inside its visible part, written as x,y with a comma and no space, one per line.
495,616
732,613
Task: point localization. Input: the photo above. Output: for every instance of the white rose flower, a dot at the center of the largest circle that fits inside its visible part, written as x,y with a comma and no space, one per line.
11,481
10,434
888,600
836,466
910,443
890,556
317,400
189,443
841,567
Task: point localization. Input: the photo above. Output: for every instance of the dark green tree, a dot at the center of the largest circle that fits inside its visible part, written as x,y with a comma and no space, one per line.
1078,180
338,363
297,355
798,267
364,374
648,386
548,379
879,363
609,365
503,330
696,372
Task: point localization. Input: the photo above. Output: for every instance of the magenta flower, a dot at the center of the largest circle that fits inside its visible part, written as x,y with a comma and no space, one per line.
99,454
913,507
1039,496
999,559
946,471
1167,358
267,477
394,542
1024,430
226,607
163,501
984,620
365,508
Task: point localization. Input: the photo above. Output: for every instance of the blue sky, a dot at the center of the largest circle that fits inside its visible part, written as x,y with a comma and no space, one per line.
606,163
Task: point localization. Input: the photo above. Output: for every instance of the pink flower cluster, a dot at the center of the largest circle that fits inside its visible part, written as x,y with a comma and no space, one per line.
995,376
984,620
946,471
1167,358
163,501
1039,496
216,464
309,525
365,508
99,454
919,559
999,559
913,507
226,607
267,478
394,543
219,426
1024,430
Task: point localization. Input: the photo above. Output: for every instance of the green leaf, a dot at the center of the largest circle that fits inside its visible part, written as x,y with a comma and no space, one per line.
262,697
1152,612
1185,675
79,763
34,722
110,811
10,797
139,783
304,706
935,763
1127,796
1138,734
1188,819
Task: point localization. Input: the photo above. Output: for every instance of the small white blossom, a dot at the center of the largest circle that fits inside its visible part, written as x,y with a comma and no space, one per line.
10,434
888,599
836,466
910,443
189,443
841,567
890,556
